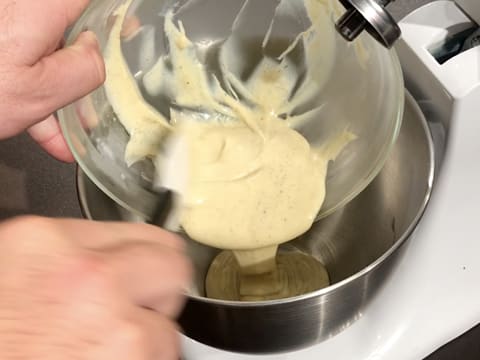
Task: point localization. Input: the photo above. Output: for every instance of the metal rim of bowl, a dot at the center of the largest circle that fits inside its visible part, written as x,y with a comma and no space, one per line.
332,288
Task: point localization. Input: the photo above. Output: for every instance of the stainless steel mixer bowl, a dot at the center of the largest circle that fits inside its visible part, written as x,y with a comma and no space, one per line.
358,245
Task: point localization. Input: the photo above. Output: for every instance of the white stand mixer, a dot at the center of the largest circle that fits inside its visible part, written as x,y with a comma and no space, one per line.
433,294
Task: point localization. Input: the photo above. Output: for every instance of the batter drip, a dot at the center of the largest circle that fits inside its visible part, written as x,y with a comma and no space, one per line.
295,274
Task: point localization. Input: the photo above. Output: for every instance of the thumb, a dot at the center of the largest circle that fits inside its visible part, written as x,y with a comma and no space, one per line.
48,135
66,75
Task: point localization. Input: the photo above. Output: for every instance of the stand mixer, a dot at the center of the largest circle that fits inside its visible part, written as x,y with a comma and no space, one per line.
432,295
371,16
406,317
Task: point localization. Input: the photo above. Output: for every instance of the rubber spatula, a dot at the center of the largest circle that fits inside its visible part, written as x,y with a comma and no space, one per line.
170,181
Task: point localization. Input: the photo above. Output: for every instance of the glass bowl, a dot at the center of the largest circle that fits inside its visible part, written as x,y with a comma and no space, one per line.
359,87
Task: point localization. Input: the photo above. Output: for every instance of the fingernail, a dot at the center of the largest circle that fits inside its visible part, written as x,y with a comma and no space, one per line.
89,37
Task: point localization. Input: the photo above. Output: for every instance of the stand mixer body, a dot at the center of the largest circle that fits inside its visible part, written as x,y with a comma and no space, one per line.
371,15
432,295
438,270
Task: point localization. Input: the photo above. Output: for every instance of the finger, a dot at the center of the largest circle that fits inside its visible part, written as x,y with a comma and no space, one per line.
60,44
147,263
38,25
73,9
151,275
158,335
96,235
66,75
130,26
63,12
170,305
48,135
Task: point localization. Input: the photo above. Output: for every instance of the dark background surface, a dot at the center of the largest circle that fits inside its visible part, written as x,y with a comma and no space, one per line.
33,183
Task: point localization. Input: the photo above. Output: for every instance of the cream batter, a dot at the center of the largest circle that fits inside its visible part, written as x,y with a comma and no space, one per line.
254,182
226,281
145,125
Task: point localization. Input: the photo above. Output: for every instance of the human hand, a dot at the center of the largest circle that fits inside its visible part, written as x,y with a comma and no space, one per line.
76,289
37,75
